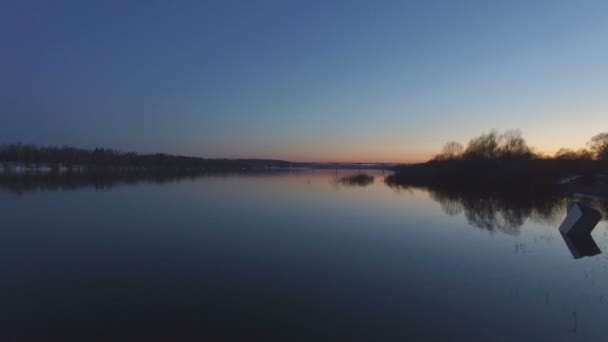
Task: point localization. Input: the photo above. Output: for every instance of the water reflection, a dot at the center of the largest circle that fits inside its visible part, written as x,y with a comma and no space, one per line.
22,182
505,212
358,179
292,258
581,245
576,230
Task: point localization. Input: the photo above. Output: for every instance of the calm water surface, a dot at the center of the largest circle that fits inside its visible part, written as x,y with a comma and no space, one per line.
291,257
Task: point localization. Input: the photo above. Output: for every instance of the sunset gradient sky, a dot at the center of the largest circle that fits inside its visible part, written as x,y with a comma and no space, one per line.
301,80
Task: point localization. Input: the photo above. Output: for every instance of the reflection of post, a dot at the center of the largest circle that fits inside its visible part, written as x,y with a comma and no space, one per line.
576,230
581,246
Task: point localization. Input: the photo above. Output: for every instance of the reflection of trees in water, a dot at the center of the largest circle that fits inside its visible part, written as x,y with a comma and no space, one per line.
21,182
359,179
598,204
41,181
501,212
498,211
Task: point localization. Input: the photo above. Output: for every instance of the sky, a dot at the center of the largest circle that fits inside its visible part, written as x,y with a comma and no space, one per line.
357,81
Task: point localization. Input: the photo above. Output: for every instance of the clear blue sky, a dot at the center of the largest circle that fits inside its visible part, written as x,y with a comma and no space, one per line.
301,80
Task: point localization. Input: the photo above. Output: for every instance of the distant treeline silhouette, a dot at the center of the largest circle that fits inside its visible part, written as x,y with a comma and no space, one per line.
504,161
71,158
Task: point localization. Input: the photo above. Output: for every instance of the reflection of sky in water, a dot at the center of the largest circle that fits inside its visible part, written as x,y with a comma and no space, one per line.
292,254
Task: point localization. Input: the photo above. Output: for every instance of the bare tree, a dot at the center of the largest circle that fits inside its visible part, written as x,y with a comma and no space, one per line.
450,151
512,144
568,154
483,147
599,146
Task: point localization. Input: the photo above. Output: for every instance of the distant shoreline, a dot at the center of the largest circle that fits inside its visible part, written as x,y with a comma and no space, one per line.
19,157
505,163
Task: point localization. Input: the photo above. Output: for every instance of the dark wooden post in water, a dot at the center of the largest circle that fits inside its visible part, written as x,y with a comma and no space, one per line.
576,230
581,220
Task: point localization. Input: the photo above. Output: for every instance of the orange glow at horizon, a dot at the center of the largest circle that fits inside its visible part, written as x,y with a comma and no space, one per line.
409,155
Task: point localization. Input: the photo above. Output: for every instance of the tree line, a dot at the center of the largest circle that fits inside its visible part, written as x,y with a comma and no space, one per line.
506,161
72,158
511,145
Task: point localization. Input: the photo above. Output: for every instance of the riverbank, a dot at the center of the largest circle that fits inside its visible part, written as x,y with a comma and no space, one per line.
517,176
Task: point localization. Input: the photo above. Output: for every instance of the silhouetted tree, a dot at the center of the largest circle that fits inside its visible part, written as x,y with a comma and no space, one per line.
568,154
599,146
512,144
493,146
483,147
504,161
452,150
